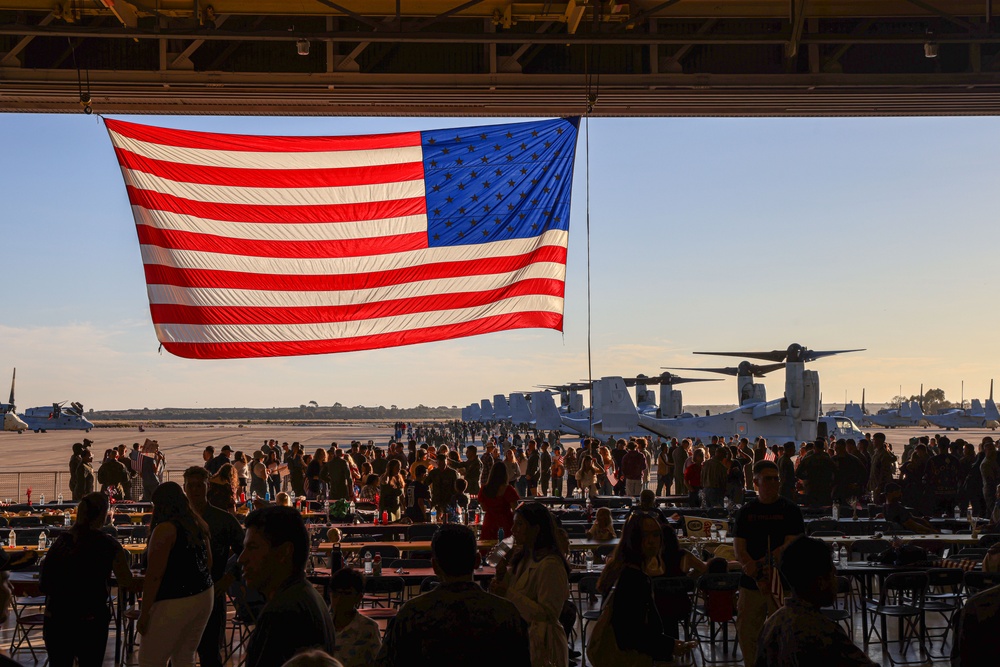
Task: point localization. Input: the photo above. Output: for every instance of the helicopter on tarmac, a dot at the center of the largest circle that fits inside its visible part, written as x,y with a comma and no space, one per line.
975,417
795,416
11,422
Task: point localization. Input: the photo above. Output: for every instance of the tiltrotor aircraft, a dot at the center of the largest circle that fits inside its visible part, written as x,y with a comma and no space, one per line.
975,417
11,422
795,416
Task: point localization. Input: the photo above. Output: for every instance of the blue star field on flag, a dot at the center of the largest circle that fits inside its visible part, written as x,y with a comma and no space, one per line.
498,182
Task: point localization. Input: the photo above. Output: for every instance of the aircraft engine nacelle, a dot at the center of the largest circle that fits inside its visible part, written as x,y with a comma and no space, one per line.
759,393
575,402
675,404
648,397
808,413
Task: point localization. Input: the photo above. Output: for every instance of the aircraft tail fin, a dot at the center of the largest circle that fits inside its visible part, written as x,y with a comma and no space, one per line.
916,412
977,407
618,413
486,408
992,414
853,412
520,413
14,377
546,412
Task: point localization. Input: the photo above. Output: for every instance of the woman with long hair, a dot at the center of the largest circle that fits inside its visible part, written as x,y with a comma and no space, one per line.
240,465
606,463
497,499
223,488
510,462
635,619
391,487
604,527
588,474
535,578
74,577
314,474
177,595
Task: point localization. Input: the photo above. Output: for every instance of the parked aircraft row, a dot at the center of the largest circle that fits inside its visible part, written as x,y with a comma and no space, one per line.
56,417
793,416
911,414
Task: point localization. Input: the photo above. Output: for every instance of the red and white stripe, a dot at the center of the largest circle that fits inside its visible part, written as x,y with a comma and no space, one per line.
273,246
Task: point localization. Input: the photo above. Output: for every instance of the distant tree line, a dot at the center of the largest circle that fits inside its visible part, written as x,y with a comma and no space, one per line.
309,411
931,402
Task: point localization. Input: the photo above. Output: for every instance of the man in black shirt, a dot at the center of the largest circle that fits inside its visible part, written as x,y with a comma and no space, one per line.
296,617
531,476
896,513
226,539
764,527
216,462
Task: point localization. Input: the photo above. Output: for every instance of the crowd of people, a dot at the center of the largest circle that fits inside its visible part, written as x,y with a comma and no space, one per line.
200,547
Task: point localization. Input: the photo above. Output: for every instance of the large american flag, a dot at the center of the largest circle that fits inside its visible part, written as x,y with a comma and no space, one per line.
260,246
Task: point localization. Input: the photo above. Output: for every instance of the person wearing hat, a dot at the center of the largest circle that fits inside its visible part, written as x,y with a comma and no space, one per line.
74,463
224,457
902,516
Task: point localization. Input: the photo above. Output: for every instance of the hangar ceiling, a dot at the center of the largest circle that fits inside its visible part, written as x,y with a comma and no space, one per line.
497,58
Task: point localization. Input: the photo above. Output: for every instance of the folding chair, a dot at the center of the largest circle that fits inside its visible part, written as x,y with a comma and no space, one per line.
25,624
383,592
840,612
944,597
718,595
902,598
585,589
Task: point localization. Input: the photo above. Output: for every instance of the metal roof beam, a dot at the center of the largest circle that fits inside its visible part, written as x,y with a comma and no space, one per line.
10,58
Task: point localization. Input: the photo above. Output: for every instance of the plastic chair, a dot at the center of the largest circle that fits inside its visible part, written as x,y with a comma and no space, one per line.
718,594
902,598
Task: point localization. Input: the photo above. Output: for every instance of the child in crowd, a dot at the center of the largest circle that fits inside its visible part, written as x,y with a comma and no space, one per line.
369,492
604,527
358,637
461,500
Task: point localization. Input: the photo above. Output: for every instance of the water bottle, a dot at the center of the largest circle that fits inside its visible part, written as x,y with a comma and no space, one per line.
41,499
843,554
958,513
836,511
59,498
326,507
368,563
836,553
434,515
43,541
377,565
460,514
66,518
589,558
479,516
267,496
291,499
352,508
968,514
12,538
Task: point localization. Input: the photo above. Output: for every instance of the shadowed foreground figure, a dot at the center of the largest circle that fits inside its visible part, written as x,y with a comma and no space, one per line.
798,633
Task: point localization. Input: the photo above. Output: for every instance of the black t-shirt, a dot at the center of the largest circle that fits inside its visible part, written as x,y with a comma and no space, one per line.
762,525
226,537
896,513
74,575
414,491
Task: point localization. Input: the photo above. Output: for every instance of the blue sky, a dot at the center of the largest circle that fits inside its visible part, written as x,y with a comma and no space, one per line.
737,234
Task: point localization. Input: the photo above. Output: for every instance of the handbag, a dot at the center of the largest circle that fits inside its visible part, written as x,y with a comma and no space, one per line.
603,649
